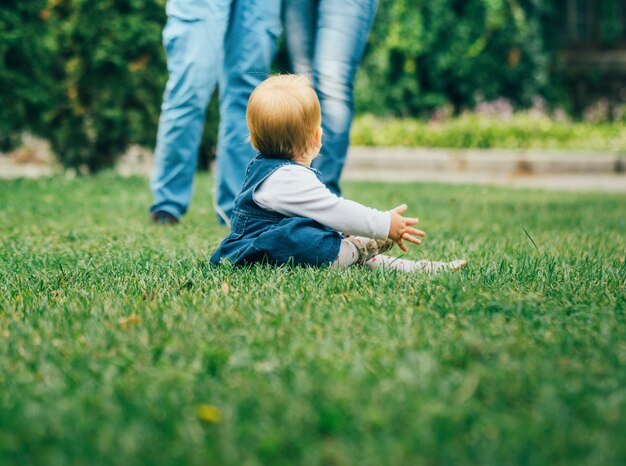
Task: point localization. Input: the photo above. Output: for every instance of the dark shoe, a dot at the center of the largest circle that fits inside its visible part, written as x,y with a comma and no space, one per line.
163,218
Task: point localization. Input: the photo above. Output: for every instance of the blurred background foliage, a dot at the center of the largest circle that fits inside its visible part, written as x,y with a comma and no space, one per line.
88,75
429,55
24,59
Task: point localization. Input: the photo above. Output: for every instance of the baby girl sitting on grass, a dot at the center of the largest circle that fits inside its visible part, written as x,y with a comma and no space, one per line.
285,215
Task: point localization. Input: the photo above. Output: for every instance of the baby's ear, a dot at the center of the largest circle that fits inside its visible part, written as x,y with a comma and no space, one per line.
319,133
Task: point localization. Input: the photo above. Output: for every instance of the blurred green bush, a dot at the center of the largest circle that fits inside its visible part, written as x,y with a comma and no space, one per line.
108,73
86,75
425,55
24,60
89,75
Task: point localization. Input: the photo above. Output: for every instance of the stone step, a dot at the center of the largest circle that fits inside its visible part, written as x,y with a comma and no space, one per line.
406,160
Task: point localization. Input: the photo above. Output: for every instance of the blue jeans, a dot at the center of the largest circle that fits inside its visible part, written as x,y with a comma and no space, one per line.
195,36
250,49
325,41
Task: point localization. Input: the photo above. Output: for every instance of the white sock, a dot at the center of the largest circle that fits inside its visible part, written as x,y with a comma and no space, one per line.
403,265
348,255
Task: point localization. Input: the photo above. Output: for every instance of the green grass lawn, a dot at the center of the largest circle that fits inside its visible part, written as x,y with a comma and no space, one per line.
120,345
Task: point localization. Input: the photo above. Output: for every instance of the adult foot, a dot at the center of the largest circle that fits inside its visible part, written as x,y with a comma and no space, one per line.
161,217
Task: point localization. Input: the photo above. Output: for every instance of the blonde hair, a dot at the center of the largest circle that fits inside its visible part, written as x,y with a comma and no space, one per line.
283,114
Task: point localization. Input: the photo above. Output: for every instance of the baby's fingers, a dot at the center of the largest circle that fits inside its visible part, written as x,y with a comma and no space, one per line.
400,209
401,244
414,231
411,221
411,238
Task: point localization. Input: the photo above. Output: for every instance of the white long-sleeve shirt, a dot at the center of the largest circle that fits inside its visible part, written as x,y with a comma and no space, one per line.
295,191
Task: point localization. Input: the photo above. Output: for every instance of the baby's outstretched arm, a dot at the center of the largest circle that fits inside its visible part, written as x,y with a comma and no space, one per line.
401,228
295,191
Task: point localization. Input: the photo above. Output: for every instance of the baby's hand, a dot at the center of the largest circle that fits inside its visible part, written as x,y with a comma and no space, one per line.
401,228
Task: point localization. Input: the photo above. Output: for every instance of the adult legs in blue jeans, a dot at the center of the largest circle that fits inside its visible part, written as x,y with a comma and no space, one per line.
198,46
325,41
194,41
251,44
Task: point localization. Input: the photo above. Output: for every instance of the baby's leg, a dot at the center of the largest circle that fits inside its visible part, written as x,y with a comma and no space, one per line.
357,250
424,266
348,255
368,247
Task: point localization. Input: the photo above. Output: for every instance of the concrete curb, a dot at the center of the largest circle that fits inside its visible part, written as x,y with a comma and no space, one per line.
488,161
10,169
551,170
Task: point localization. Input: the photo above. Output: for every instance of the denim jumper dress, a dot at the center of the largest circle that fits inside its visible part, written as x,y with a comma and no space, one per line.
262,236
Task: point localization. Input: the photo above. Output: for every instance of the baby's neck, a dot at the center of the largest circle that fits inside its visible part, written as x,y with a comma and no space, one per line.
305,159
